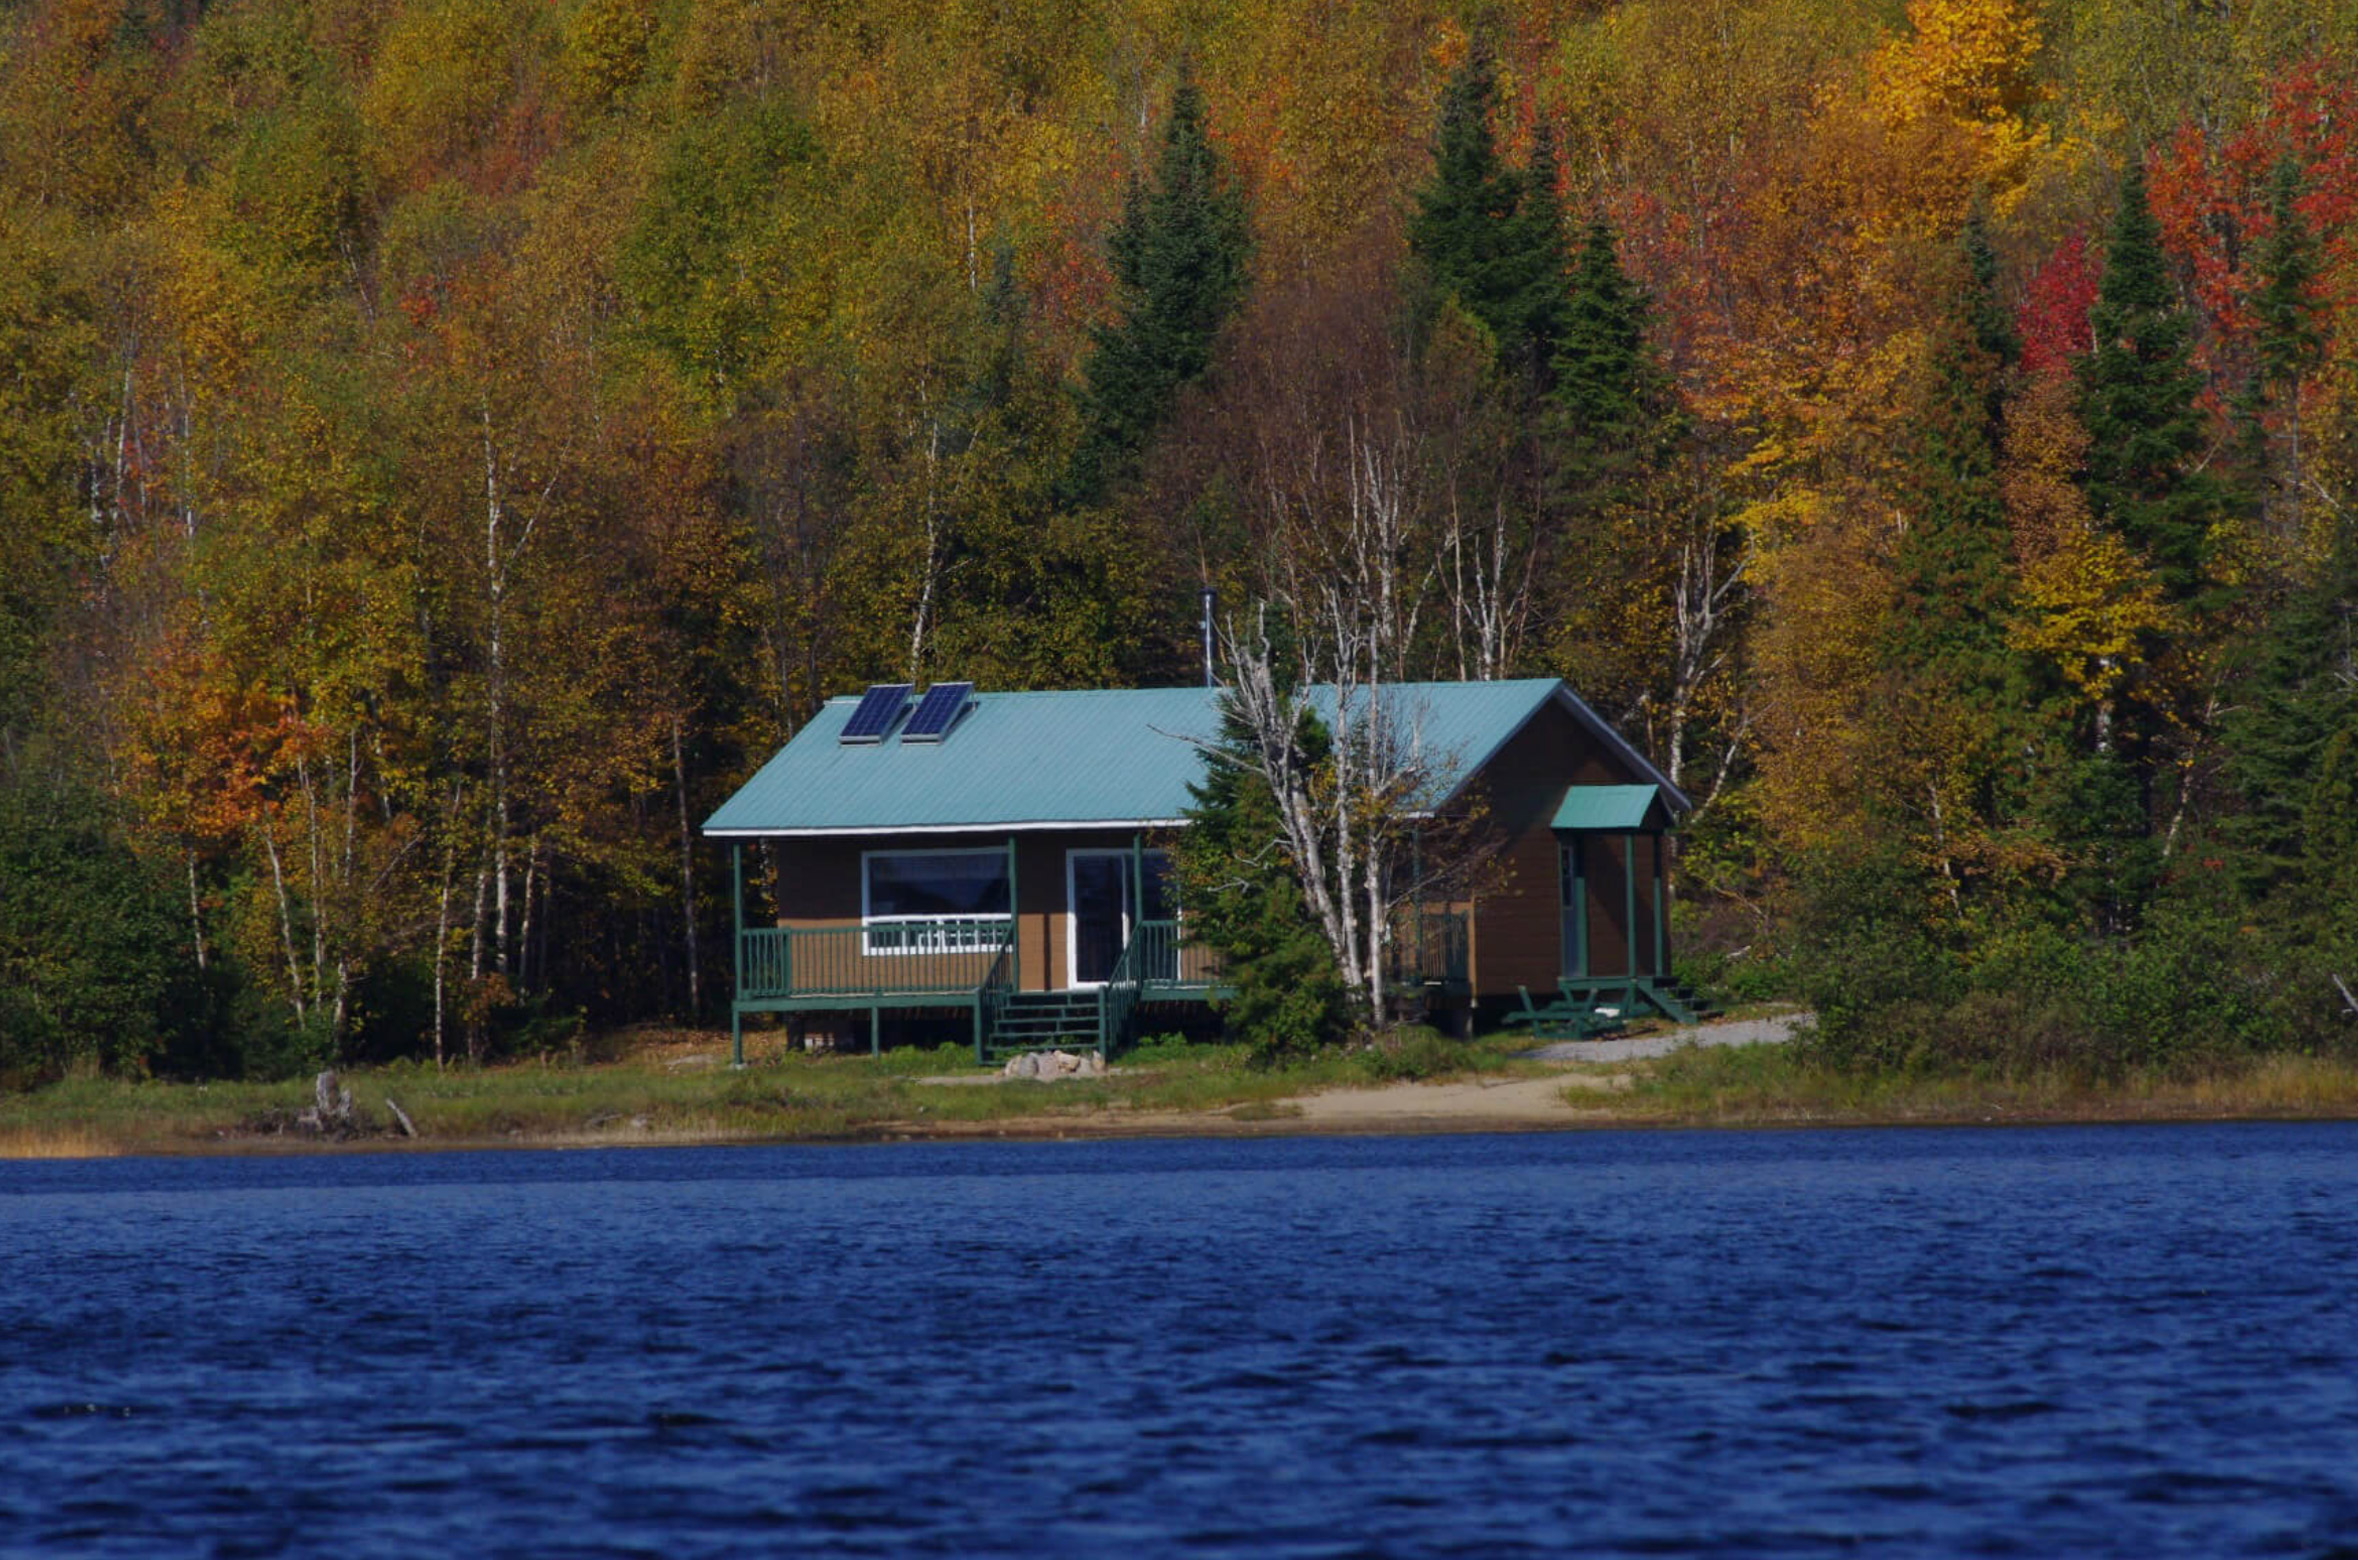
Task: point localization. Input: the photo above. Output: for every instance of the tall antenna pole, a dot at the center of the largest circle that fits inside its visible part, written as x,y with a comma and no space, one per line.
1209,597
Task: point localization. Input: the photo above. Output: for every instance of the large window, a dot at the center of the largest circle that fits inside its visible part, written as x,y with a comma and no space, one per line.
917,901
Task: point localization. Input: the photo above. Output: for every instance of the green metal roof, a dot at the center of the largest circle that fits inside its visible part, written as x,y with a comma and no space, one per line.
1619,807
1080,758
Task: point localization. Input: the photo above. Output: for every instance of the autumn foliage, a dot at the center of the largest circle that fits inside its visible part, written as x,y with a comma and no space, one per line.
445,445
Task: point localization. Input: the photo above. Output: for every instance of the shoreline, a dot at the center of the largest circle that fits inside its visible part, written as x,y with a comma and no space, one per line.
1397,1110
673,1090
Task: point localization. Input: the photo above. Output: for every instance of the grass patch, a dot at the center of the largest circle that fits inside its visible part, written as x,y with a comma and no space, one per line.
1772,1085
675,1092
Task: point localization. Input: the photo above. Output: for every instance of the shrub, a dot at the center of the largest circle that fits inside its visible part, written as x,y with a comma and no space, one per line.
93,954
1411,1055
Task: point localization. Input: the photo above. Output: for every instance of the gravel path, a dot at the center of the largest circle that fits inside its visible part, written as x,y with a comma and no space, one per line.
1728,1031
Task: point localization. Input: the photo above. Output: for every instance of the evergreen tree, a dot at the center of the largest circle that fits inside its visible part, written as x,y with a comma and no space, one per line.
2291,338
1178,257
2138,400
1955,583
1988,322
2288,343
1489,237
1244,901
93,957
2299,693
1606,411
1952,682
1535,301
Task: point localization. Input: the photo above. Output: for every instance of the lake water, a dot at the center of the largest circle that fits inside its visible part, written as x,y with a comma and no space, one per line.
2119,1341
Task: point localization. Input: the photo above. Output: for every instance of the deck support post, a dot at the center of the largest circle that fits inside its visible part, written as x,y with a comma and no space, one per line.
1014,933
875,1031
737,953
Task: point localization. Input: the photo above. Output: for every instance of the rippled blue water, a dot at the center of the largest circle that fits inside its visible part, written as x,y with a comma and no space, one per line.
2088,1341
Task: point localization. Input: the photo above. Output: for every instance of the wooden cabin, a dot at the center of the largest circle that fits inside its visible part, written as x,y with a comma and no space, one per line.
997,857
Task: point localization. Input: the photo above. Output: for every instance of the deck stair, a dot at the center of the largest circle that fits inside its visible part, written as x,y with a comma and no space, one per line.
1045,1021
1678,1001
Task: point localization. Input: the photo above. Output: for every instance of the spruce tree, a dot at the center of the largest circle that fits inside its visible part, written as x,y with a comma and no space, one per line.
1244,901
1606,411
2288,343
1535,303
1955,584
1489,237
1951,680
2299,690
1178,256
2290,340
2139,394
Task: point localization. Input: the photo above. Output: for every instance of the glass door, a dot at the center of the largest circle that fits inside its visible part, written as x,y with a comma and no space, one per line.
1099,886
1101,896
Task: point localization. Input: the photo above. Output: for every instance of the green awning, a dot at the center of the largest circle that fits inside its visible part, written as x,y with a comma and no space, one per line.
1615,807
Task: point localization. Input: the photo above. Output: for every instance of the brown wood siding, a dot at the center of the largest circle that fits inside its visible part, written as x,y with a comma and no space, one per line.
819,885
1519,919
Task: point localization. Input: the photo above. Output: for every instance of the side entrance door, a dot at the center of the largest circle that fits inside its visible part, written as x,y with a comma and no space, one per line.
1572,871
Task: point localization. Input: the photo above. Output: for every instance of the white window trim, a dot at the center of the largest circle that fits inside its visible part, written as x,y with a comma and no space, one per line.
869,921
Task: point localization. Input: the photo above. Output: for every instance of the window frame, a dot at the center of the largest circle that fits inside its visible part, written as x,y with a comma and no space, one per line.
968,938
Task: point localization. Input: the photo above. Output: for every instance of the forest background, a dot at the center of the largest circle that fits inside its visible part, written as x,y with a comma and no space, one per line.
445,445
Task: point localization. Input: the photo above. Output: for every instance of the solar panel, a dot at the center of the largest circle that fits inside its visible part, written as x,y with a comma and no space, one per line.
937,712
879,708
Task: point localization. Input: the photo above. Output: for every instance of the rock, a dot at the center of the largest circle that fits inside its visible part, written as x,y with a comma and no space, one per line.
1024,1064
1060,1064
1093,1065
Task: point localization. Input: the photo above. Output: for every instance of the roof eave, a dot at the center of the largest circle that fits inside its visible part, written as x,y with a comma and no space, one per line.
1011,826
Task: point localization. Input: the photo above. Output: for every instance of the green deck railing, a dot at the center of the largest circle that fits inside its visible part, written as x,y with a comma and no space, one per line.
877,961
1117,999
1164,958
990,1000
1429,948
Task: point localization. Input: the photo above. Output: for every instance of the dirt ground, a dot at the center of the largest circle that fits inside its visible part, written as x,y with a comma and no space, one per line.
1496,1105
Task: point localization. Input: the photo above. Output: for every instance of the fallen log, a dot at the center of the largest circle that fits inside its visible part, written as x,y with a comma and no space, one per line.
2349,1003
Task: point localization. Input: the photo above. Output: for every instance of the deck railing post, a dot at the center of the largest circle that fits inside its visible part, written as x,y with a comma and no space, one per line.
1661,957
1629,913
1580,906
